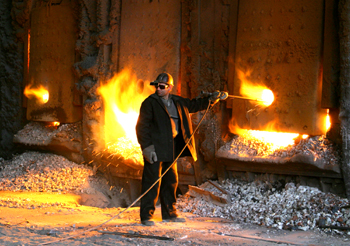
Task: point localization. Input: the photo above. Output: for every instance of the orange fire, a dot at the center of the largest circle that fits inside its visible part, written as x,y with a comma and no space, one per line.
253,90
270,135
40,93
122,100
274,140
328,121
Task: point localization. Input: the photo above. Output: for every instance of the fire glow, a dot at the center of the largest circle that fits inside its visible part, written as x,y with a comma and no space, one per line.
40,93
274,140
269,139
122,102
328,121
253,90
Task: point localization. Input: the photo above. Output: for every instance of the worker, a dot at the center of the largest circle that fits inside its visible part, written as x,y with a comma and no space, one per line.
163,128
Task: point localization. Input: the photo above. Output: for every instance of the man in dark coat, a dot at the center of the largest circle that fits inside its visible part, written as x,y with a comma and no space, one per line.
163,128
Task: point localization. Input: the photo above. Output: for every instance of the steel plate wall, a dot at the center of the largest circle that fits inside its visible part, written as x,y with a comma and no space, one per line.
280,43
150,38
52,55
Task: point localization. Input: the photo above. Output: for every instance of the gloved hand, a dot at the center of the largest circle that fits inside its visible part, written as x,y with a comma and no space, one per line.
150,154
214,98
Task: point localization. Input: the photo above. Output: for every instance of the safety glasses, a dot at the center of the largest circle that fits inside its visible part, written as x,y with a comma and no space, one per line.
162,87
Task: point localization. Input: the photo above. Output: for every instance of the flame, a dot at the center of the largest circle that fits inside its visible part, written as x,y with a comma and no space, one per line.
267,97
40,93
254,90
54,124
275,140
122,101
269,138
328,121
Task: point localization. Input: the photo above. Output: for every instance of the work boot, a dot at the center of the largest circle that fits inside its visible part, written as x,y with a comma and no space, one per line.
175,219
147,222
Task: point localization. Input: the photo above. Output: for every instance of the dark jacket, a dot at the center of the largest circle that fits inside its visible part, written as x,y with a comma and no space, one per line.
154,126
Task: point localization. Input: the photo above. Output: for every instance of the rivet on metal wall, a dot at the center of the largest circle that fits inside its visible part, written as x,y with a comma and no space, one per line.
270,27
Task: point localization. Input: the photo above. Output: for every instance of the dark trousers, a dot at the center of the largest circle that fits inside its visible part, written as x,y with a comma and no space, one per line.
165,189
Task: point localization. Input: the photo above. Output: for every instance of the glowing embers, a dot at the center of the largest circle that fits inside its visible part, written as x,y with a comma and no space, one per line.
263,143
54,124
40,93
126,150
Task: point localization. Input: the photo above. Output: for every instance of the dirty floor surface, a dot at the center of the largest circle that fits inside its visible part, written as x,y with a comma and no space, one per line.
73,224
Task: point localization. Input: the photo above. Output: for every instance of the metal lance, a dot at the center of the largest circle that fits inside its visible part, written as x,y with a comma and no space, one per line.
224,95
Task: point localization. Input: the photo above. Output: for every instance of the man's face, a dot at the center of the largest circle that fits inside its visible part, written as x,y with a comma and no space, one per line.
163,92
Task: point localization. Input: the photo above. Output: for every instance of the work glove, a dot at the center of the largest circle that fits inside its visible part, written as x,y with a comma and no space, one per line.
149,154
214,98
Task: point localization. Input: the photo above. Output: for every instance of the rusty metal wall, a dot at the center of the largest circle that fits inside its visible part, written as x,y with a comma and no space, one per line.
52,55
280,42
150,38
331,57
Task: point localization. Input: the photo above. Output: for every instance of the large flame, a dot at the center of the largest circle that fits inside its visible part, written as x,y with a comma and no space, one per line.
122,102
254,90
40,93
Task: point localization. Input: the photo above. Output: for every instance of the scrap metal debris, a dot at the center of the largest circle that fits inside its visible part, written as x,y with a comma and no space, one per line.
43,172
293,207
46,172
208,196
42,134
318,147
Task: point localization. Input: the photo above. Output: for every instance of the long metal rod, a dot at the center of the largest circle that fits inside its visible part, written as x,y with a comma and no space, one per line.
245,98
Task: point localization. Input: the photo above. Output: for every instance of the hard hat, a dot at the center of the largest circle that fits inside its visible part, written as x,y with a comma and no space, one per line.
163,78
